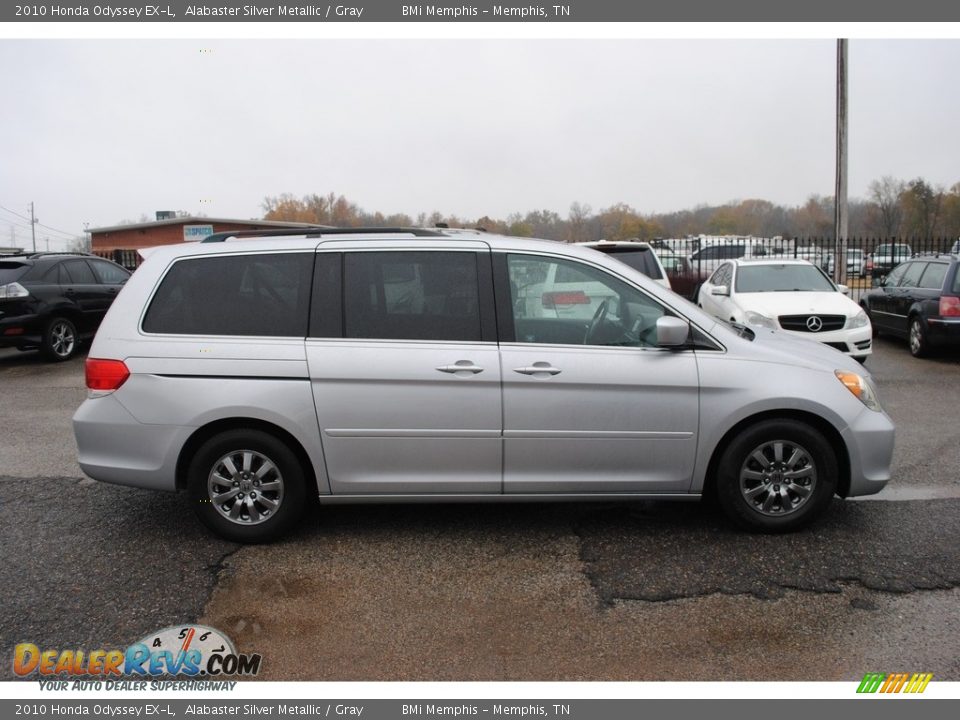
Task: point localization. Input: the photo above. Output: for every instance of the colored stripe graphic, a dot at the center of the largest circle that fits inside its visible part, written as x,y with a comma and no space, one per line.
894,682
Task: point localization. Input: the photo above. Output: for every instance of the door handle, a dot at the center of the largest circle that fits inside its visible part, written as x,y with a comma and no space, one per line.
461,366
538,368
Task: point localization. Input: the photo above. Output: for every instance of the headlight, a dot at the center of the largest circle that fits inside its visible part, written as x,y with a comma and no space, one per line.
755,318
858,320
860,387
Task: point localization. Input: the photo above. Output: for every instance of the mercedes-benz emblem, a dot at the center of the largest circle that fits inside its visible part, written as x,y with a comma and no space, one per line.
814,324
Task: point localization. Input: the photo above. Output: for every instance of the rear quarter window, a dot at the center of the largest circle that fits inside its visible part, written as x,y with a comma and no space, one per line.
252,295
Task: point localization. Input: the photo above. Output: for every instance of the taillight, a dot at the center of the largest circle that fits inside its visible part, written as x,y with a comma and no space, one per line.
949,306
106,374
13,290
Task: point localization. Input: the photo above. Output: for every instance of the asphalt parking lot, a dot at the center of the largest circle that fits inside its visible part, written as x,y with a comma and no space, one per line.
648,591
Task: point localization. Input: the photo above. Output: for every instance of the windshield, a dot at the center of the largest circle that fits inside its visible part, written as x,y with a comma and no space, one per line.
781,278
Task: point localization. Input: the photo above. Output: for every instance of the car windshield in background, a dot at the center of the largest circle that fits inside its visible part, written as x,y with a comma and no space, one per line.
638,259
781,278
10,271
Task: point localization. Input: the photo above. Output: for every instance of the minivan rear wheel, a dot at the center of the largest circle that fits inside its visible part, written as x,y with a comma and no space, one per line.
247,486
776,476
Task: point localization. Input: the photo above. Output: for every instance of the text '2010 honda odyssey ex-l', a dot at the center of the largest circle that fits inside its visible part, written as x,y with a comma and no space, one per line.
453,365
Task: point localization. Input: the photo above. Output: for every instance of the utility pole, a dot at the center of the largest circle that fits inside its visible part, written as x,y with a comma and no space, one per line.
840,227
33,227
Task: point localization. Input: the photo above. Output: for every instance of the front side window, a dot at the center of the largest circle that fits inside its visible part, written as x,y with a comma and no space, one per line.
397,295
253,295
108,273
893,279
556,301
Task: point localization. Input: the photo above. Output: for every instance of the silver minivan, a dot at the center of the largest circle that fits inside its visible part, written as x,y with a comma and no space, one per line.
441,365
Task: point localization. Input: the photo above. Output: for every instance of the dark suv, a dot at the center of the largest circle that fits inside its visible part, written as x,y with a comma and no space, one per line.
920,301
53,300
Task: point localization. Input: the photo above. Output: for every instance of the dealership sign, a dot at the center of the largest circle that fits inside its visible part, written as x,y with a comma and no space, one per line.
196,233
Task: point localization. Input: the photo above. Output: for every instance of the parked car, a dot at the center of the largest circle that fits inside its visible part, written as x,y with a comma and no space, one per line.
792,296
52,301
820,256
256,373
683,280
855,262
638,255
919,301
885,257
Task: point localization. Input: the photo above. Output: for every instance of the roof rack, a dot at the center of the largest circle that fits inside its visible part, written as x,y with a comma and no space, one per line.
33,255
321,232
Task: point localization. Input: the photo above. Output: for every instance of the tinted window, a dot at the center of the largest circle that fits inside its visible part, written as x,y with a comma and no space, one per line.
256,295
639,259
411,296
56,275
934,275
590,307
108,273
11,271
79,272
911,278
326,308
894,277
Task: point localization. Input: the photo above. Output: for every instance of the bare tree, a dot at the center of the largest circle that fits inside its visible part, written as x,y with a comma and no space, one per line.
579,214
886,193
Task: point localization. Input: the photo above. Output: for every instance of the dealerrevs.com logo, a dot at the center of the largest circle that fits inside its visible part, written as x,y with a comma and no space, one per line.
190,650
894,683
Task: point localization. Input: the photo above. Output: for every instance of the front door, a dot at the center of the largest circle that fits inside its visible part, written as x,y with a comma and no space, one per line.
590,404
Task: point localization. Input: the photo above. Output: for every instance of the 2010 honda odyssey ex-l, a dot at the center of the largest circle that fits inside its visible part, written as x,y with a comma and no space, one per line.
452,365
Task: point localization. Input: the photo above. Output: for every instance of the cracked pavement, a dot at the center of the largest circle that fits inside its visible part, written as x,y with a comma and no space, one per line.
639,591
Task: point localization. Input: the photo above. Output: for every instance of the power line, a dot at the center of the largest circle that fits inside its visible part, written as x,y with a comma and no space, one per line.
65,233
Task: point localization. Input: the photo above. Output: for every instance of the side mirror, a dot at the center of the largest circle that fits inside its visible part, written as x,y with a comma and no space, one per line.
878,280
844,289
720,290
672,332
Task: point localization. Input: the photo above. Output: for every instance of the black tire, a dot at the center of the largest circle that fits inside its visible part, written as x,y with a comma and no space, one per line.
254,520
60,340
917,339
738,462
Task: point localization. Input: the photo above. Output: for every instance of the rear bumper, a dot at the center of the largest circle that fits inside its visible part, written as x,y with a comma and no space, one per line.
115,448
944,331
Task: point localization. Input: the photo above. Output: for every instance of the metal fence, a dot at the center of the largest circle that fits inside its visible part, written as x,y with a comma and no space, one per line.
866,260
130,259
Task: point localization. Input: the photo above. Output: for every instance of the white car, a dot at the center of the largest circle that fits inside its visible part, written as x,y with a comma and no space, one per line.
788,295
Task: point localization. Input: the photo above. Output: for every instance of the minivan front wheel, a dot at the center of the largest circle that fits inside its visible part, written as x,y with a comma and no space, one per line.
247,486
59,340
777,476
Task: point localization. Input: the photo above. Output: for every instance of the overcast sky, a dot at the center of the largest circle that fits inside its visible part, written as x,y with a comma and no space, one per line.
100,131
